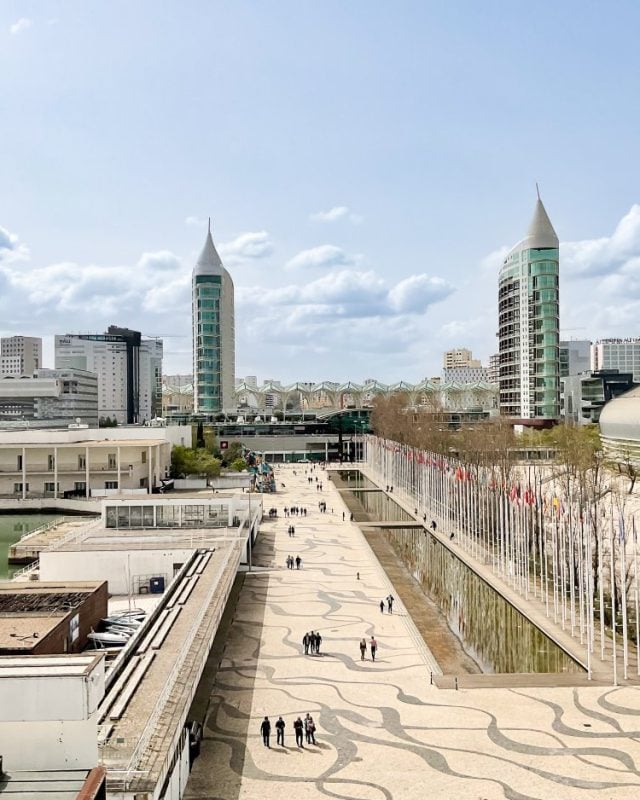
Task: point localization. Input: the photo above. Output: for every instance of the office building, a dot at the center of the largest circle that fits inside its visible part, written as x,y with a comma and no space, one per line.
621,354
529,324
129,370
584,395
466,374
51,397
213,333
575,357
20,355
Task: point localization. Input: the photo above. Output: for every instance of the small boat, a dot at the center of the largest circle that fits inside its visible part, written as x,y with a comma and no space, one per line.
108,639
131,622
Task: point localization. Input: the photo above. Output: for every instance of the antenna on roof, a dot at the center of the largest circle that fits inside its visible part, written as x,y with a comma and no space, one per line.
537,190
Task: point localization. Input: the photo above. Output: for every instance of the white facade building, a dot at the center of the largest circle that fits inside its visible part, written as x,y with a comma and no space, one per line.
620,354
465,374
77,463
20,355
129,370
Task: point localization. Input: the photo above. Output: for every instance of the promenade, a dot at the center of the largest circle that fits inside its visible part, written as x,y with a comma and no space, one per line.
383,730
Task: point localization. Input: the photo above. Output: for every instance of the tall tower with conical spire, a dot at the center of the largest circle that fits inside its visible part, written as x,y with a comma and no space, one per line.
214,350
529,324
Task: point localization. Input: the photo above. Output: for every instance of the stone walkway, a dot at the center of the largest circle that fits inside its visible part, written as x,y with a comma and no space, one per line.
383,730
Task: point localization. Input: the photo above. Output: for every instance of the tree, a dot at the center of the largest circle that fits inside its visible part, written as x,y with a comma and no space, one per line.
238,465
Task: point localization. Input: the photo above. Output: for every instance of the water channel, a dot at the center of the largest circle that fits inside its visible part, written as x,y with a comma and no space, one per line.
492,631
12,528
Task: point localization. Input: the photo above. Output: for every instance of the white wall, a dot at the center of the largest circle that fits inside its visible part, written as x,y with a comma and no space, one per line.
48,717
110,565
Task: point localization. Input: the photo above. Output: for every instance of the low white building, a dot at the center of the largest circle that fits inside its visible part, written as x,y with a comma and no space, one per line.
49,711
75,463
50,396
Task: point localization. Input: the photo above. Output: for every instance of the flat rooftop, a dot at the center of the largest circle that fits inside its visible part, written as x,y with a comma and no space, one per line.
37,666
160,703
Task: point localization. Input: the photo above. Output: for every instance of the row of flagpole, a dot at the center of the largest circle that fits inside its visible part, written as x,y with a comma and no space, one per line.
544,536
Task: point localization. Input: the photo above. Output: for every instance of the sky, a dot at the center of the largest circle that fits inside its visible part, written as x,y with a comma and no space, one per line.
365,165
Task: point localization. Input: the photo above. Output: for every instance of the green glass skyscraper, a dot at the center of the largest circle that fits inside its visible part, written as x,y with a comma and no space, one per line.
529,324
213,333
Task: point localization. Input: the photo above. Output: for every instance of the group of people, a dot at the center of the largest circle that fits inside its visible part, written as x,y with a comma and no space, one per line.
273,512
350,516
311,642
300,727
295,511
363,648
318,486
322,506
389,598
291,561
291,530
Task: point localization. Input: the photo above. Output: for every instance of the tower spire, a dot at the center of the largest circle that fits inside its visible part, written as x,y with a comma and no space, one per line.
210,217
537,192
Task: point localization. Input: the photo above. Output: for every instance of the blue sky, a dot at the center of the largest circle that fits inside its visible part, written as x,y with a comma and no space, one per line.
364,163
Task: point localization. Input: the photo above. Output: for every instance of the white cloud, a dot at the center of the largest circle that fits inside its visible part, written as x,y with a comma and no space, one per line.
335,214
322,257
416,293
23,24
196,222
250,245
601,256
10,247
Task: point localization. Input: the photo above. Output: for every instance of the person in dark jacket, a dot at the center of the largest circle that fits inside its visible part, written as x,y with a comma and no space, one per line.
280,726
306,641
298,727
265,730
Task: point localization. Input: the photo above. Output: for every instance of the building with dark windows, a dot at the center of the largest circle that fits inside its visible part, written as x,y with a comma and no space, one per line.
128,366
585,395
213,334
529,325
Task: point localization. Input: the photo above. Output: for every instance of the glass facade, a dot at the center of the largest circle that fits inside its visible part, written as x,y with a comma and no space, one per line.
529,325
207,340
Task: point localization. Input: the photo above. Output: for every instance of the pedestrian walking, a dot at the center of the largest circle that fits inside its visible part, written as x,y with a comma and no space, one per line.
298,727
312,642
363,648
265,730
318,641
343,516
390,600
280,726
312,730
288,563
382,606
307,727
298,562
306,641
433,525
374,646
293,530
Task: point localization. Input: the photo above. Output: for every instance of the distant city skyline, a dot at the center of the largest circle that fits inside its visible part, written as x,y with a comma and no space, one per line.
362,203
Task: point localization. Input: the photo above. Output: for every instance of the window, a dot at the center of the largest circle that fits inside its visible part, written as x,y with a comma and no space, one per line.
50,487
19,464
51,462
144,456
111,484
82,462
17,487
80,486
112,462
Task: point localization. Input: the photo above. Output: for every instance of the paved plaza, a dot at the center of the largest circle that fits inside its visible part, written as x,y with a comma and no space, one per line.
383,730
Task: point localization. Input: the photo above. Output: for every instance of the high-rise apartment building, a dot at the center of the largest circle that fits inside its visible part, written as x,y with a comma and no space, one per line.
575,357
620,354
214,350
20,355
129,370
493,373
529,324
